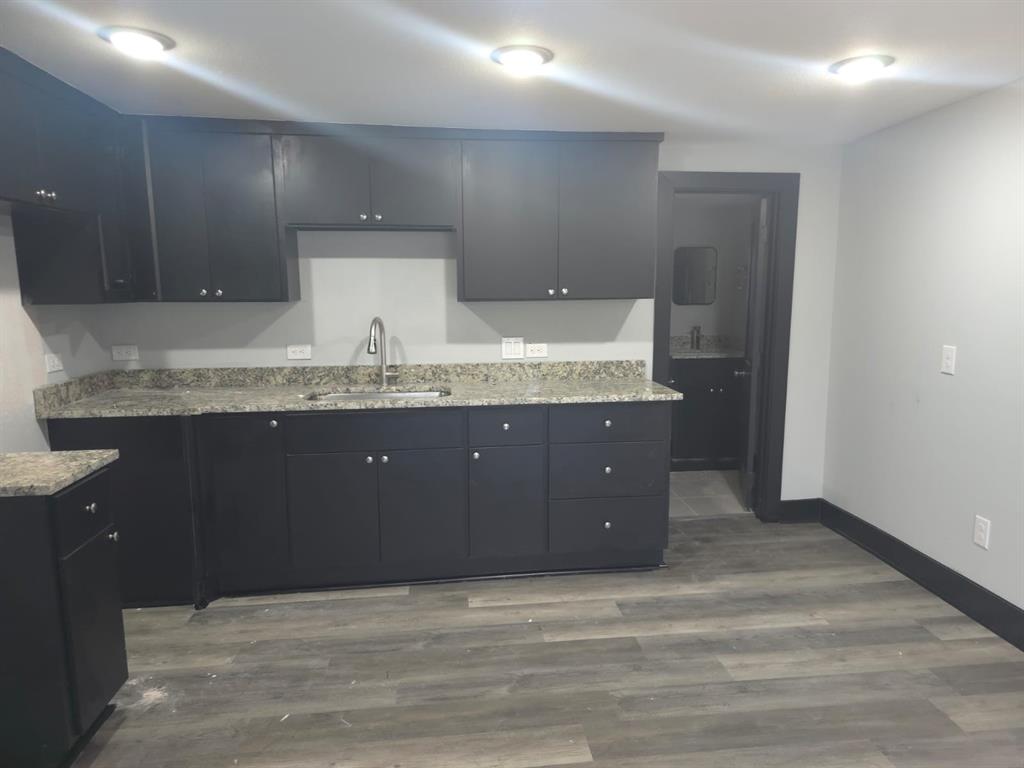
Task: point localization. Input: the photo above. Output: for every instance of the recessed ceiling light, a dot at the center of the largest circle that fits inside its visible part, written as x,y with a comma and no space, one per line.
860,69
137,43
522,60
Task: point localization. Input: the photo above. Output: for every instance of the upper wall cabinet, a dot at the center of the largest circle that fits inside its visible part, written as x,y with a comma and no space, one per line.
558,219
215,223
342,181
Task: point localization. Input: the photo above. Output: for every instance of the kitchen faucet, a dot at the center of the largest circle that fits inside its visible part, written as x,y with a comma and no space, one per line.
377,329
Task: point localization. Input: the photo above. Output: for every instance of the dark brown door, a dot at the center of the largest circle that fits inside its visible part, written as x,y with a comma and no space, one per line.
508,509
92,613
325,180
607,212
415,182
333,510
510,220
423,504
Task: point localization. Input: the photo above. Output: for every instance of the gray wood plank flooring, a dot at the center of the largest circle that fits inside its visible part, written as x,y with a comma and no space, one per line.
766,646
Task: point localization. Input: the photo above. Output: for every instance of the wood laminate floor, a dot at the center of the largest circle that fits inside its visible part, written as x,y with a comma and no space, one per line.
775,646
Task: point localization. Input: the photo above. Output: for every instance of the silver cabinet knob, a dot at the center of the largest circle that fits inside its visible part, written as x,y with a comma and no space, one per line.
565,291
384,459
476,455
608,423
40,193
202,292
91,508
273,423
113,536
607,470
378,217
218,292
607,525
369,459
551,291
363,217
740,374
52,195
506,426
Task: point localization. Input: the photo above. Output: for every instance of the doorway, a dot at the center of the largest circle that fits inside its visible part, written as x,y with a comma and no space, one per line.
726,246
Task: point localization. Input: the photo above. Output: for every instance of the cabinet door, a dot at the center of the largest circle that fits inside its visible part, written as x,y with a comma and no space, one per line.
59,255
70,153
423,504
325,181
19,177
607,212
509,219
332,510
415,182
243,457
95,630
241,221
508,511
176,170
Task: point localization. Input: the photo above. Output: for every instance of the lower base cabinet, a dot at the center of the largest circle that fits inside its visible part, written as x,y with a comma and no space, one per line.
317,500
706,425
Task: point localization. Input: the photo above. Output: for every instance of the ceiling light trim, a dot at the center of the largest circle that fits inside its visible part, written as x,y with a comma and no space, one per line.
166,43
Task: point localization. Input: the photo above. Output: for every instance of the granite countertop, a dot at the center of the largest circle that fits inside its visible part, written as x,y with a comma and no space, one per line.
44,473
257,391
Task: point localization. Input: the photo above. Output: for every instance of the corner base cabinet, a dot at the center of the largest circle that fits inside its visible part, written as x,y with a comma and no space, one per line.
63,650
310,500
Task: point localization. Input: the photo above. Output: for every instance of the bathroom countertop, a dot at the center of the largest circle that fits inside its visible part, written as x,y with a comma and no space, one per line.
256,392
710,354
44,473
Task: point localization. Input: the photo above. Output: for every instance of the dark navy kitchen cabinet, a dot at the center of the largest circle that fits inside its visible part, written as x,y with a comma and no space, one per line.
508,510
324,181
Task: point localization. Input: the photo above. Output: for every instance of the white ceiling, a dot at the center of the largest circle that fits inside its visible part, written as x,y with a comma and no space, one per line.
703,70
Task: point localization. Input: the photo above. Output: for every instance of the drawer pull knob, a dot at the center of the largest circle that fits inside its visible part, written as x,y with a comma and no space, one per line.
91,508
273,423
608,423
113,536
476,455
506,426
607,470
369,459
384,459
607,525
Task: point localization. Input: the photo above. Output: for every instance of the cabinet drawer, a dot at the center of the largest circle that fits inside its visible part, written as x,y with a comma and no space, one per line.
610,422
376,430
522,425
600,525
82,511
608,469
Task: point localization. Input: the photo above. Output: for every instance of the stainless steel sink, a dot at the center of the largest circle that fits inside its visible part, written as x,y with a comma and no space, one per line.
376,394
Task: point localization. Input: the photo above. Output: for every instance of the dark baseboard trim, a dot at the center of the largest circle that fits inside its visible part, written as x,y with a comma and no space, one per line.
987,608
799,511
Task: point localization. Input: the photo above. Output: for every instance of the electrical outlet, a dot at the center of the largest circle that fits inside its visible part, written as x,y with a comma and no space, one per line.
124,352
982,531
537,349
511,347
299,351
948,360
53,363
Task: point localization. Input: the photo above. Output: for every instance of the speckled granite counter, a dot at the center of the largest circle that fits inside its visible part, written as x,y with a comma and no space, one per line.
46,473
187,392
712,347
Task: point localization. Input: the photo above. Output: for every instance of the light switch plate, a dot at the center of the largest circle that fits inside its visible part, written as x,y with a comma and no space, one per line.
511,347
53,363
124,352
982,531
948,360
537,349
299,351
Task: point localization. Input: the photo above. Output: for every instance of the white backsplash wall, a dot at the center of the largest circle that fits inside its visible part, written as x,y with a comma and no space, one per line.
408,278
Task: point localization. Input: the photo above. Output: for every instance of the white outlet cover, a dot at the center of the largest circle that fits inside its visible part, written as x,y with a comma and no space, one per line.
982,531
948,360
53,363
124,352
299,351
537,349
512,348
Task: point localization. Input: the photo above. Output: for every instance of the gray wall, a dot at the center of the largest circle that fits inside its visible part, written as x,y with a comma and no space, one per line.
931,249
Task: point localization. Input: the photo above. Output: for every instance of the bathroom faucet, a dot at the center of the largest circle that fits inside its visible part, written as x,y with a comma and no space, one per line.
377,329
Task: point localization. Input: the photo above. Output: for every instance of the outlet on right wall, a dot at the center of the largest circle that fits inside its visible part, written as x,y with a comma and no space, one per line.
931,253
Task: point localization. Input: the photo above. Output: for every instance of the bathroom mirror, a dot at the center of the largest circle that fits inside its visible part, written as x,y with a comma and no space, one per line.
695,275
